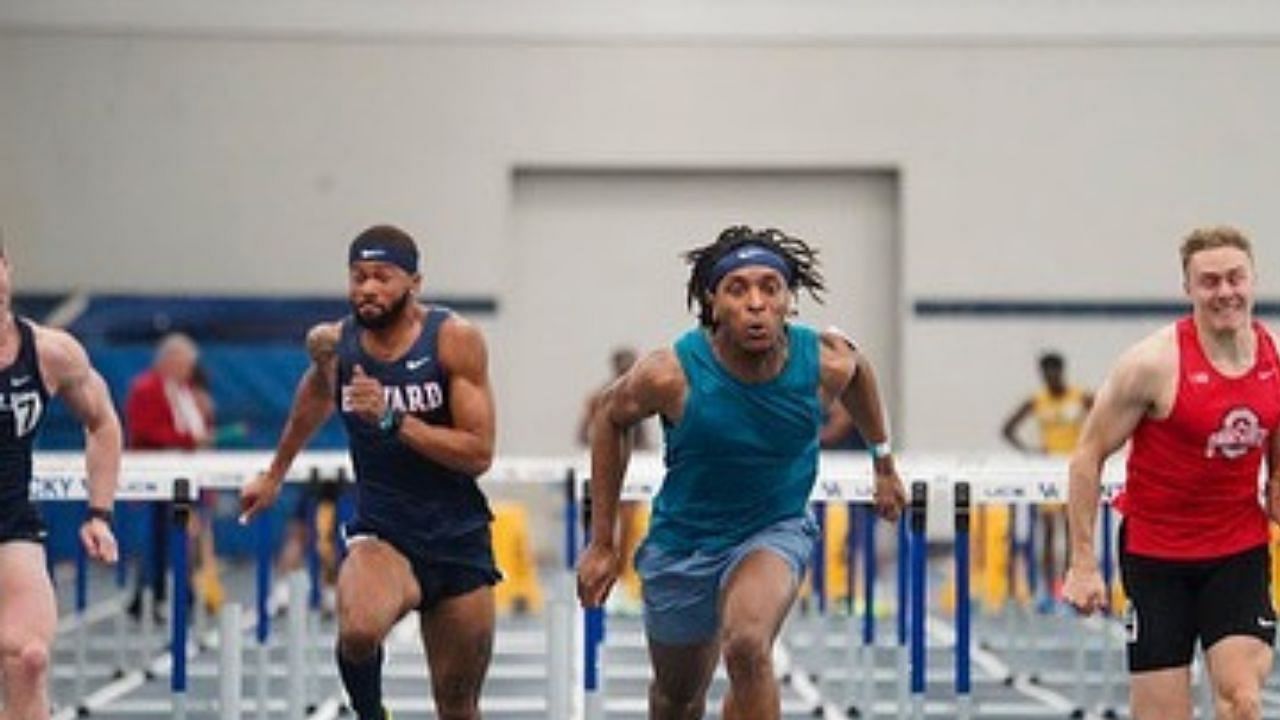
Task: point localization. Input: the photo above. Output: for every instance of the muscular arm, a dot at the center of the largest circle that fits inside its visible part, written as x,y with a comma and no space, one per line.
468,445
67,372
654,385
837,427
848,374
1131,391
312,401
1272,494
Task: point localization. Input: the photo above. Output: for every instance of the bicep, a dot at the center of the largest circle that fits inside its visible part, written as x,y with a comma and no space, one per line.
651,387
470,393
1117,409
86,395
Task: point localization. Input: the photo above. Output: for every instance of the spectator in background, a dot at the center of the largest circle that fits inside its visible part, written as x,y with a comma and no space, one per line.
620,361
167,408
633,516
1059,410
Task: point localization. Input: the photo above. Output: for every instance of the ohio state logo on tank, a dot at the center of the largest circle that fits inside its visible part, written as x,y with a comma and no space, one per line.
1241,432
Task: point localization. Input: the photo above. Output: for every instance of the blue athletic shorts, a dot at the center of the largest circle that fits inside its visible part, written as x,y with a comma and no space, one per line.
682,590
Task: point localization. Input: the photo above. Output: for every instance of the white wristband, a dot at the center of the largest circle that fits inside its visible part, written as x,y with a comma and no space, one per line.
880,450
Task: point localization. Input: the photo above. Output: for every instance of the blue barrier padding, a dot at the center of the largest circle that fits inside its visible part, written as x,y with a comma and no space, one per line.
118,317
252,387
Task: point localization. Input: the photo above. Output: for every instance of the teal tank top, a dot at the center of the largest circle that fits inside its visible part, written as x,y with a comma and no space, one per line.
744,455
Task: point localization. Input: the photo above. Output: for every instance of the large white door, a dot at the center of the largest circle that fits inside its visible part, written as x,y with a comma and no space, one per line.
594,262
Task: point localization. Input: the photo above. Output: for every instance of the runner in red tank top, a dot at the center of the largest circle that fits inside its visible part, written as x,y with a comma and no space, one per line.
1200,400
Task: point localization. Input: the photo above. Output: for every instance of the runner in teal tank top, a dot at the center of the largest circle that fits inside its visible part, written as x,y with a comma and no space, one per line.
744,455
741,400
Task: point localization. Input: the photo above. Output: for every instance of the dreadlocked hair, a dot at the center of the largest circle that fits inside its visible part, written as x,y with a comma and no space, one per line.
801,259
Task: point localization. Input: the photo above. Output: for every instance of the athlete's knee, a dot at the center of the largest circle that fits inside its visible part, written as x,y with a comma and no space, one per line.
358,638
457,696
676,703
27,659
747,655
1239,701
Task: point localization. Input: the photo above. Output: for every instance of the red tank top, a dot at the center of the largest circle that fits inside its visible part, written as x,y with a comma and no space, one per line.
1192,491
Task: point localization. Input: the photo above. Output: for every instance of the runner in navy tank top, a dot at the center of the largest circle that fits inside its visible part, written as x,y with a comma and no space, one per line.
1199,400
411,385
35,364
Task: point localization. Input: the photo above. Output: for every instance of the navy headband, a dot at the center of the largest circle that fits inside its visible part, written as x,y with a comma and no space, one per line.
371,250
745,255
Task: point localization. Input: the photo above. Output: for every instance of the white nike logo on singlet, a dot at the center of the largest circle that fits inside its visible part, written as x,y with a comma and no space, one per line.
415,364
20,381
1265,623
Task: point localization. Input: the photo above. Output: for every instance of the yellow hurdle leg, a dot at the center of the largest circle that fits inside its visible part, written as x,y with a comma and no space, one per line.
513,551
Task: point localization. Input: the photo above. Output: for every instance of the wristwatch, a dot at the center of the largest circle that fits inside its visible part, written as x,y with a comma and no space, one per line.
390,422
97,513
880,450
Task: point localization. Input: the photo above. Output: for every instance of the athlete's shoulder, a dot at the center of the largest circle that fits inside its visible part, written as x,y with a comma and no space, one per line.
456,328
1147,366
55,345
1154,351
61,357
838,356
658,371
836,341
462,346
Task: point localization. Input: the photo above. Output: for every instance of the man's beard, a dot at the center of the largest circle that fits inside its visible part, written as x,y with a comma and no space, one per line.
384,319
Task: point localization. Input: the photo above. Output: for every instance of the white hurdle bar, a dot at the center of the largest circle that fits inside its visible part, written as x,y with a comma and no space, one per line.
843,477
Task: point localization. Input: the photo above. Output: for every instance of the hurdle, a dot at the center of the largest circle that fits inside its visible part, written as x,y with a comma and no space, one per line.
842,480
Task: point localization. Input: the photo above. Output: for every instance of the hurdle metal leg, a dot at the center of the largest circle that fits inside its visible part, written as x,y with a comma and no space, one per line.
230,670
296,646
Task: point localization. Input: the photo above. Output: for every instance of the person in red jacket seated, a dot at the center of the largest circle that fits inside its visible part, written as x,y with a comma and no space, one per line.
166,409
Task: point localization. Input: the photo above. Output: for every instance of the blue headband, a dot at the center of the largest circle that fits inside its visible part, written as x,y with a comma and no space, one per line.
373,251
748,255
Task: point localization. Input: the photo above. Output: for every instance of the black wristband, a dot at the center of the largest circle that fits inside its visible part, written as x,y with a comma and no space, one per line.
96,513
